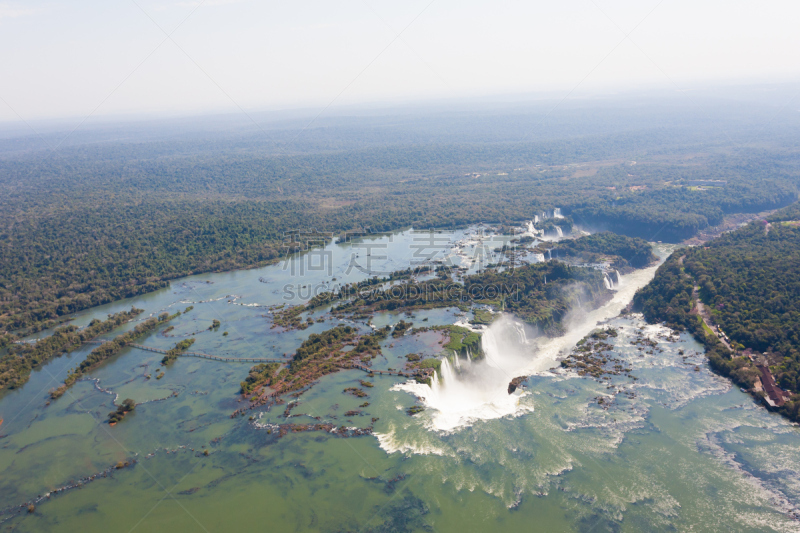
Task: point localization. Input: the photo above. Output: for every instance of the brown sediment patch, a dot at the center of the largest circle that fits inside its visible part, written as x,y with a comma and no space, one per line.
584,172
331,203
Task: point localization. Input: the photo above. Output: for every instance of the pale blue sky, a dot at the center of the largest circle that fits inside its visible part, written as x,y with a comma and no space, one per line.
111,57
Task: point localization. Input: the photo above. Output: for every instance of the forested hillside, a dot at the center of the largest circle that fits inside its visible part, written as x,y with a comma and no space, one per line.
750,281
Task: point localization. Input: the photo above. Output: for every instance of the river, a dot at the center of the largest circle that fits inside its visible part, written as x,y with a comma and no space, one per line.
677,449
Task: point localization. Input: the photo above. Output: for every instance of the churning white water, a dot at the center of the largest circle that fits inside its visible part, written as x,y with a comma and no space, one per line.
467,390
479,390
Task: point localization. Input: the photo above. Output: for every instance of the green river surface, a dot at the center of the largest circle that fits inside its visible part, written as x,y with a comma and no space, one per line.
685,451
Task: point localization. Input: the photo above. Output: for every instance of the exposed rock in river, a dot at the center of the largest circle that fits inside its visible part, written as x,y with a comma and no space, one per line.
516,383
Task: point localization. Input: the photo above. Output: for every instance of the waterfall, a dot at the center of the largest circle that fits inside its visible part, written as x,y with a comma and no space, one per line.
559,232
435,385
480,390
447,371
535,219
557,213
531,229
607,281
550,253
619,278
522,337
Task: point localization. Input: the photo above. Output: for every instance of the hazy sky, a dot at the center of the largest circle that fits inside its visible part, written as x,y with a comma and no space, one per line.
107,57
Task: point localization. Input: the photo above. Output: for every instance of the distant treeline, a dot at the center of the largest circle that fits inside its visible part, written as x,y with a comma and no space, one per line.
95,224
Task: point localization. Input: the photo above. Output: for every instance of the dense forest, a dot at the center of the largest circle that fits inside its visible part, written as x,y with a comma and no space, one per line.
750,281
96,222
541,293
636,252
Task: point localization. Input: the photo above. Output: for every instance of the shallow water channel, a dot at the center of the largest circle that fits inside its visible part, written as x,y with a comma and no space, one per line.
679,449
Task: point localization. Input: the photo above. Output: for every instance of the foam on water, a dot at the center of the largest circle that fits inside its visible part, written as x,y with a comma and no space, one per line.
477,392
391,444
457,397
580,324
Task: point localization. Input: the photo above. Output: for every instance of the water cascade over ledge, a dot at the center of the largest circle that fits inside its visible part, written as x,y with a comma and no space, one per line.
467,390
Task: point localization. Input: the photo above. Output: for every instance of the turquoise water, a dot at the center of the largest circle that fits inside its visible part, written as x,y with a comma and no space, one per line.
679,449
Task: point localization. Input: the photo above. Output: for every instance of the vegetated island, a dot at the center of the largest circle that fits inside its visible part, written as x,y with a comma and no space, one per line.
739,295
16,365
109,349
541,294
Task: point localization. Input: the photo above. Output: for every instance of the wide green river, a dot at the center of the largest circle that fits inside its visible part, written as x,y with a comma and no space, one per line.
677,449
